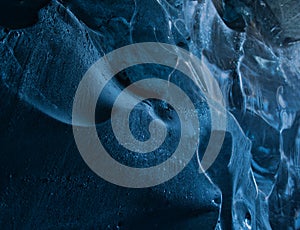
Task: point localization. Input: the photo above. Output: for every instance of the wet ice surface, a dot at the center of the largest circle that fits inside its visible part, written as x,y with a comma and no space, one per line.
252,50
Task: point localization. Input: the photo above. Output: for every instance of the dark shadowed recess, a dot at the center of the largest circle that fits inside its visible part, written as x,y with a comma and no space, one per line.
16,14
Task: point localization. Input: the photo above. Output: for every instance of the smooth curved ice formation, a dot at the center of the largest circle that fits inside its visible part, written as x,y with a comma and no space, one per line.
251,48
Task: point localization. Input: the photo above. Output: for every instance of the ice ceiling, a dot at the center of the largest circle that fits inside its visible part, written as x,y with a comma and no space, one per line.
251,47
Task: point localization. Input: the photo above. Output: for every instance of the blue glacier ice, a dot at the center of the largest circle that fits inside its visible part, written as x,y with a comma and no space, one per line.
250,47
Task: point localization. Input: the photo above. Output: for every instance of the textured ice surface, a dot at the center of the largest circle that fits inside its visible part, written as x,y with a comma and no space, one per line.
250,47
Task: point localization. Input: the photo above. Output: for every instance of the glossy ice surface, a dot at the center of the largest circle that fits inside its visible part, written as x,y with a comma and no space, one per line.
252,49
